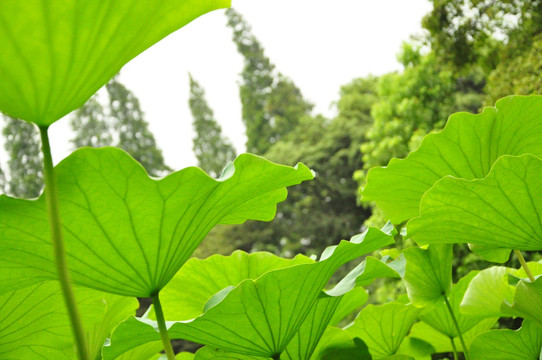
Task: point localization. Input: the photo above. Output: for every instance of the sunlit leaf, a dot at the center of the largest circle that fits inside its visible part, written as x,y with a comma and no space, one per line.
34,322
57,53
501,211
522,344
259,317
383,327
490,292
466,148
428,274
127,233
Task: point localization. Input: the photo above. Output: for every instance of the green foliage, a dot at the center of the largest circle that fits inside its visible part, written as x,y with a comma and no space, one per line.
211,149
260,317
22,144
519,74
271,103
411,104
48,70
470,31
130,234
326,209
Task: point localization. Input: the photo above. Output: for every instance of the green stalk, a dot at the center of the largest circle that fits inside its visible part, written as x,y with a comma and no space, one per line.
162,327
454,348
524,265
51,197
457,328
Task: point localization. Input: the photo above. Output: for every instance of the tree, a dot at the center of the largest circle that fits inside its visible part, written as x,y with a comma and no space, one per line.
271,103
25,162
134,134
324,210
467,32
212,150
91,125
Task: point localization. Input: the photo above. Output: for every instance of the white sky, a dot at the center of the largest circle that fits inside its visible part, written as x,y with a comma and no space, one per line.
320,45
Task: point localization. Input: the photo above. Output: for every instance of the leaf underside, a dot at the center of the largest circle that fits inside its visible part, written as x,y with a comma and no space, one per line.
126,233
57,53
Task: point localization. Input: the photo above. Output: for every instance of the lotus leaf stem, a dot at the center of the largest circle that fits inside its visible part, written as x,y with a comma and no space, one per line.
162,326
51,197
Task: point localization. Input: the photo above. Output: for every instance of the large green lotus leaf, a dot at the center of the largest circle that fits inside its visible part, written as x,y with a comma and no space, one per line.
490,290
34,322
127,233
439,317
527,301
207,277
522,344
442,343
501,211
428,274
383,327
57,53
257,317
466,148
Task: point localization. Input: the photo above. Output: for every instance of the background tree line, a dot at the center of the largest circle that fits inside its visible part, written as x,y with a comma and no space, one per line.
472,53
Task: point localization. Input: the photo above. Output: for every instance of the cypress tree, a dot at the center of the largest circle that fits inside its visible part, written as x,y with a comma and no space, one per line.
271,103
212,150
132,128
91,125
22,144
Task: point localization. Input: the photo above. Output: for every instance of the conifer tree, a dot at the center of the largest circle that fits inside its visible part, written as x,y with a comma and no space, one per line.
212,150
133,132
25,163
91,125
271,103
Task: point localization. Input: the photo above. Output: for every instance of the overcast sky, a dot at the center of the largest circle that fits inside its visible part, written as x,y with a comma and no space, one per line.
320,45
